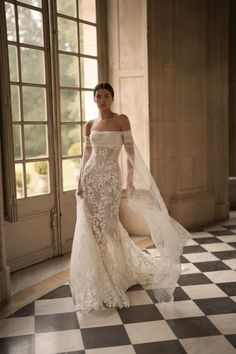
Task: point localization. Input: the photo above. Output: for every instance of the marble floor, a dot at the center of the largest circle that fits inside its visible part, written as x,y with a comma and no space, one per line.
201,320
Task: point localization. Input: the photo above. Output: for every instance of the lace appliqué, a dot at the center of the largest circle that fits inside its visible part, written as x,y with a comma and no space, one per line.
105,262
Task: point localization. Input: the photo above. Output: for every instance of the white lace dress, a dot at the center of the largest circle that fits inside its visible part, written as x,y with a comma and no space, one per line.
105,262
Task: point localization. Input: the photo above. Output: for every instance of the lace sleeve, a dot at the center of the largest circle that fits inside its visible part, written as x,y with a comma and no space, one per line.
129,148
86,156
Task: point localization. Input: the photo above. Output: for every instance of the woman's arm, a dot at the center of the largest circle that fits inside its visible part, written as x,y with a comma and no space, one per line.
86,155
129,148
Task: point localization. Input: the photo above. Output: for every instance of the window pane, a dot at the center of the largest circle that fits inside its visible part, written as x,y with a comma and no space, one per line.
70,171
70,135
32,64
37,110
89,108
15,108
17,141
67,35
87,10
35,141
67,7
89,72
39,178
69,71
88,39
13,63
70,105
30,26
36,3
11,23
20,180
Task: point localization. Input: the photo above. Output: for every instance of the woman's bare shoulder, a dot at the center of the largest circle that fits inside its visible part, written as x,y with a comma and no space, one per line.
124,122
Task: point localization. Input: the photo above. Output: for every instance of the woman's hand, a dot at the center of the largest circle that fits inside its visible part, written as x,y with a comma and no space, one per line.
79,193
130,189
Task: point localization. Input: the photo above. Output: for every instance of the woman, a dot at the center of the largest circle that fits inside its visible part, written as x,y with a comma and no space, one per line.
105,262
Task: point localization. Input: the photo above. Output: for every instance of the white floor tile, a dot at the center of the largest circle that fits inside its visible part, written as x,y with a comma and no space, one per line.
203,291
18,326
189,268
207,345
225,323
124,349
154,252
191,242
228,238
216,247
139,297
107,317
230,262
233,298
201,234
222,276
153,331
179,309
58,342
200,257
51,306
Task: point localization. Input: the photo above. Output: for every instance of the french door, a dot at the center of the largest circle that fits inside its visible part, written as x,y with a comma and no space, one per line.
54,61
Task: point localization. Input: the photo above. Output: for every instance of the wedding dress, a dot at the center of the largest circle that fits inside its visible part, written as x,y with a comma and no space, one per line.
105,261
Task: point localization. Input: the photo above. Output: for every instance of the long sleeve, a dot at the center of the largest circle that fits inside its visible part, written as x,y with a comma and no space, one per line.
86,156
129,148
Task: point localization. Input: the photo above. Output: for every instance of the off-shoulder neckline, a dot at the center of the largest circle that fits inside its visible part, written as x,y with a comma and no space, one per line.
110,131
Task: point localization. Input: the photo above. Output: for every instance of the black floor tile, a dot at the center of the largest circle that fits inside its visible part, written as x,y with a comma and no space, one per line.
17,345
166,347
27,310
228,288
179,295
222,232
193,279
140,313
211,266
233,226
232,244
56,322
193,249
215,306
225,254
232,339
152,296
135,288
183,260
192,327
206,240
62,291
104,337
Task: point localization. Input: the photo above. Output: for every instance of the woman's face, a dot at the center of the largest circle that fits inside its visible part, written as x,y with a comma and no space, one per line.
103,99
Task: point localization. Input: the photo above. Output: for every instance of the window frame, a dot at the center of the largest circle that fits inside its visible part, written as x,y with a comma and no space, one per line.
53,86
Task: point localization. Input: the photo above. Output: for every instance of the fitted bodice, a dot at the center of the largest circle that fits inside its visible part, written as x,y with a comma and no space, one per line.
106,145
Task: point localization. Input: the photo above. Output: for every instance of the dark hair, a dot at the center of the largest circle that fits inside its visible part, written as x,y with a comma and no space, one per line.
103,85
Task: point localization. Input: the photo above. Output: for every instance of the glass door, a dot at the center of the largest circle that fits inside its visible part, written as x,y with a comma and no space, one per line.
29,71
77,58
53,66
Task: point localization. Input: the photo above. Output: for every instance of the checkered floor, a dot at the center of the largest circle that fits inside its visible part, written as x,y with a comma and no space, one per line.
201,320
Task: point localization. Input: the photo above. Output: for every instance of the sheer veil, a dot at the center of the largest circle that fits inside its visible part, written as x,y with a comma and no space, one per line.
167,234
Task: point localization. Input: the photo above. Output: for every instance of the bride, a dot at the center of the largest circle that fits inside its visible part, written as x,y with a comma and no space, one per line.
105,262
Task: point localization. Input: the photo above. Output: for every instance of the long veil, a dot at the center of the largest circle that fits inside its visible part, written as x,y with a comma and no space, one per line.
167,234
